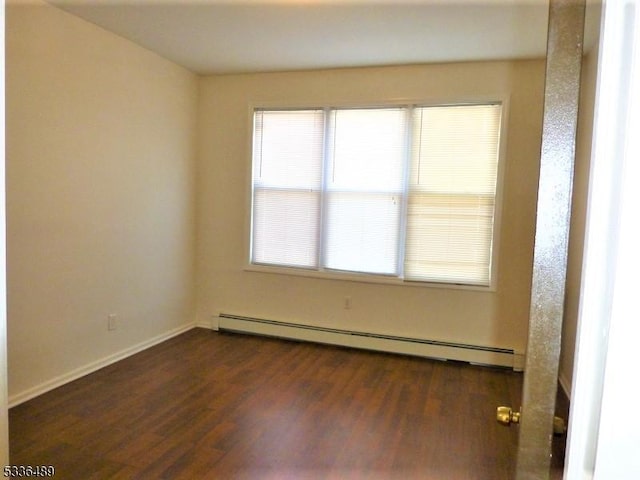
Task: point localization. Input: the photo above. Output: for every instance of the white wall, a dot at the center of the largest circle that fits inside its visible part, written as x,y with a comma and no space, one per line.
497,318
100,195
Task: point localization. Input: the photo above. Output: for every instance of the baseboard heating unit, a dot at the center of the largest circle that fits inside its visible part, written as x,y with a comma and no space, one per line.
408,346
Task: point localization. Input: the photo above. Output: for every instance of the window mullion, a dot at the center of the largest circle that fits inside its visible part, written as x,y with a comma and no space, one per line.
404,208
327,153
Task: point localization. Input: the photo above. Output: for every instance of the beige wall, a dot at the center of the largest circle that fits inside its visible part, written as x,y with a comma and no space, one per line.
102,208
497,318
100,195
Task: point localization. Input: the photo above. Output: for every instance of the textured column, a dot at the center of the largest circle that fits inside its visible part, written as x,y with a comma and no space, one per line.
564,59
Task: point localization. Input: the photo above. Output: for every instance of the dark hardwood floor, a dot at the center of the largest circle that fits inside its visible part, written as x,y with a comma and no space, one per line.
224,406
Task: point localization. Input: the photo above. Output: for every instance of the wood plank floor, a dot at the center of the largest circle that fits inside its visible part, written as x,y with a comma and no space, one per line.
224,406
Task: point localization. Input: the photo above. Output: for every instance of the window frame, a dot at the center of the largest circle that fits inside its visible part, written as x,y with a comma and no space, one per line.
330,274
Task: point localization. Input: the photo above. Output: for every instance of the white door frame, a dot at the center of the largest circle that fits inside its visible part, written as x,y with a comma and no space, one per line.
604,431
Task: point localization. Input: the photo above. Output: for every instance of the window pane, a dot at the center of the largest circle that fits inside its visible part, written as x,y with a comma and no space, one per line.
287,149
363,233
287,167
285,227
455,149
368,149
364,189
450,215
449,238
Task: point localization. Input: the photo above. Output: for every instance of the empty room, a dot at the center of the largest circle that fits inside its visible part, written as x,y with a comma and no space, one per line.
281,239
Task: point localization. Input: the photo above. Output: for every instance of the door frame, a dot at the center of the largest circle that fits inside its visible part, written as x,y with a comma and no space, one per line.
565,39
602,440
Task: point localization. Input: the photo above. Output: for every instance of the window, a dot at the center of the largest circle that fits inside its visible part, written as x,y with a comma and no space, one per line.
403,191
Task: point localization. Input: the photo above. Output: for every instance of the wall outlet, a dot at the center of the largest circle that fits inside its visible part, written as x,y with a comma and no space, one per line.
347,303
112,322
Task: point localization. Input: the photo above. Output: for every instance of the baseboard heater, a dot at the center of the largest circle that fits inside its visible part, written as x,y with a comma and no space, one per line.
476,354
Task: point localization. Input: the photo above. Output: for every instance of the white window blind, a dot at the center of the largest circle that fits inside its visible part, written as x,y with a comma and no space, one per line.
452,193
287,179
407,191
364,189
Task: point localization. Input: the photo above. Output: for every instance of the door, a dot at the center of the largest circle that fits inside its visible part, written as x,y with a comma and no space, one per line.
562,88
603,440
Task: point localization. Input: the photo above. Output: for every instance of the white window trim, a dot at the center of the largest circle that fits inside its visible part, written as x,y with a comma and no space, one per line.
327,274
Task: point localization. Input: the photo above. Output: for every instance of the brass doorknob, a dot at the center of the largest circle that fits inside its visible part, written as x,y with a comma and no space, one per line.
506,416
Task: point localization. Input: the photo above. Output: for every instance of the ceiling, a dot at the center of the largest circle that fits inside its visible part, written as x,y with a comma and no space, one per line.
232,36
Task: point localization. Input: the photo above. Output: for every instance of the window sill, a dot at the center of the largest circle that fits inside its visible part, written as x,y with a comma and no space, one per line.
363,278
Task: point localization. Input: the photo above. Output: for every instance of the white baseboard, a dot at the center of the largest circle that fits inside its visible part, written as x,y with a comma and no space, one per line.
56,382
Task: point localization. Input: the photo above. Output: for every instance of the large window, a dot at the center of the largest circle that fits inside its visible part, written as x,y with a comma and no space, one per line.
403,191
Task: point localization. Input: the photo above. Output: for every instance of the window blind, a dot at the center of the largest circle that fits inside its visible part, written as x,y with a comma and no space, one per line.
287,179
364,189
407,191
452,189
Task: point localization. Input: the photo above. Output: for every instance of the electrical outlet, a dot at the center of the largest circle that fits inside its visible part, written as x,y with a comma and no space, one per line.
112,323
347,303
